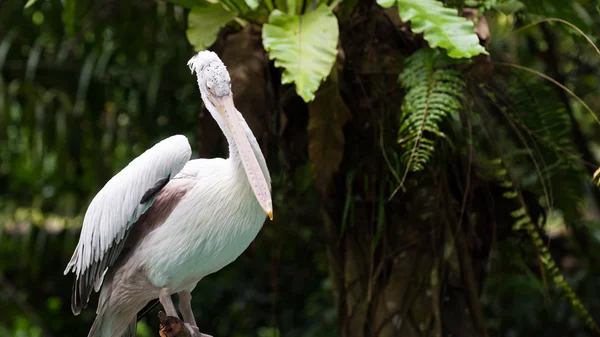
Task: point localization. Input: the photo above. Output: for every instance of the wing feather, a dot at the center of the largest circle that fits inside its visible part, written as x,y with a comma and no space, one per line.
117,206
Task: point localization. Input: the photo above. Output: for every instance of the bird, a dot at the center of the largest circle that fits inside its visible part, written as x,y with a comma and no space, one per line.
164,222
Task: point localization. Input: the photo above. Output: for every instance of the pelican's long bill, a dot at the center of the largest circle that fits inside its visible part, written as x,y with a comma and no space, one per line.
226,108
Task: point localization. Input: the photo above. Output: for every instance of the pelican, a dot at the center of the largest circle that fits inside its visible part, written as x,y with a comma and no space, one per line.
164,222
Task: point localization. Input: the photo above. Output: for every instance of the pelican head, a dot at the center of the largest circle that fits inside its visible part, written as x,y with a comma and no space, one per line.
215,87
213,77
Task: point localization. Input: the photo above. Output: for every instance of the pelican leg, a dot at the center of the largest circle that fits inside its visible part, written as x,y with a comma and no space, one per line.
164,296
185,307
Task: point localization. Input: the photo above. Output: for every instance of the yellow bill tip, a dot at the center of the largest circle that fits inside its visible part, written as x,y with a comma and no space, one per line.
270,214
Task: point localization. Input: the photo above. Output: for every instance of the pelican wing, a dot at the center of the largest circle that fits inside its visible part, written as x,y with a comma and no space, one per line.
117,206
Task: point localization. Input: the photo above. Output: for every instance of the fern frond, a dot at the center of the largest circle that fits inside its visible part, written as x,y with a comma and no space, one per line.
546,128
523,221
432,95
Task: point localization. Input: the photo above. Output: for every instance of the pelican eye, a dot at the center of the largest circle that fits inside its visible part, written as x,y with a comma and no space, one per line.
210,87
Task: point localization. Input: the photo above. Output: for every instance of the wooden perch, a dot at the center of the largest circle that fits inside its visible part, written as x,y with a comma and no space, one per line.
171,326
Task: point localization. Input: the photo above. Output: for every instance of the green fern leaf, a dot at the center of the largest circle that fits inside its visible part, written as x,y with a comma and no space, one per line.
524,222
432,95
556,171
441,26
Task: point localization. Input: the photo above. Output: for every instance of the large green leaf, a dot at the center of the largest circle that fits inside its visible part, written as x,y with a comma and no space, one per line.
204,23
441,26
327,116
304,45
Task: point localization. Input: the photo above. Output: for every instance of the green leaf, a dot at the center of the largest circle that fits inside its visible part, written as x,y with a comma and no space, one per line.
294,6
204,23
69,16
327,116
432,96
253,4
304,45
509,7
30,3
441,26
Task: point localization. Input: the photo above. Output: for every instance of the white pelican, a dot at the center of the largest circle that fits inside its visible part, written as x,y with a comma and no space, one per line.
164,222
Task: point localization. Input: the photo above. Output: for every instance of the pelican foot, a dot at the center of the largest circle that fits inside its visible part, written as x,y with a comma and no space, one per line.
194,331
171,326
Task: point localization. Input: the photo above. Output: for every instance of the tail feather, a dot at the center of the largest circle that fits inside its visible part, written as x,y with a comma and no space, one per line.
114,323
130,332
98,326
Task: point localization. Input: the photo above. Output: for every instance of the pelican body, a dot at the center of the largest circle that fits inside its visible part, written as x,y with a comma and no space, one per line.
164,222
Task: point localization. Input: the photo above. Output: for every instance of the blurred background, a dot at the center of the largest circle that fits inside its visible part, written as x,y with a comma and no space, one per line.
85,87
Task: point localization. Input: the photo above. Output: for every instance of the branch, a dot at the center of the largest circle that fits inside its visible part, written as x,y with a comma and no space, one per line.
171,326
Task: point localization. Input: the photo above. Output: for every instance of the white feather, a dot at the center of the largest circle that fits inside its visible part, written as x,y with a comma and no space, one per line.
117,205
208,229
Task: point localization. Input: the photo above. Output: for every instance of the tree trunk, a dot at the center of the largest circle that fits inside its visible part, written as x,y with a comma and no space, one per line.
421,279
413,265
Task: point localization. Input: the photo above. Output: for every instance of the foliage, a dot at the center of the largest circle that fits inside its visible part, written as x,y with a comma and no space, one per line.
305,45
542,126
573,12
523,221
204,23
442,27
433,93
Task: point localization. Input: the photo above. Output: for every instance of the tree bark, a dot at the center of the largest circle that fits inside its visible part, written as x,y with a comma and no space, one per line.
411,266
422,279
